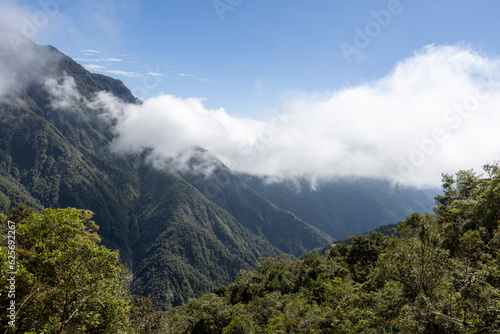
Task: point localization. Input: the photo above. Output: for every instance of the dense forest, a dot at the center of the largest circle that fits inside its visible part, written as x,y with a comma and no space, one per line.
437,273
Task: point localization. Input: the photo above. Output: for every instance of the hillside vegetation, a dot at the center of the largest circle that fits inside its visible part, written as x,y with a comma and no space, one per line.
56,278
343,207
439,273
178,232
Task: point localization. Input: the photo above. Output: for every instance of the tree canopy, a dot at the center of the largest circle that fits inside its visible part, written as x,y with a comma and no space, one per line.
438,273
65,282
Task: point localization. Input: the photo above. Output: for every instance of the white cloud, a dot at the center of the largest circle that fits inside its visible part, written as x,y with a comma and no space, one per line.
166,118
437,111
99,60
14,16
63,93
19,56
94,67
124,73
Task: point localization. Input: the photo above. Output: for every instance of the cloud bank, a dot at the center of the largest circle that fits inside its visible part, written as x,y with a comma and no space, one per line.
437,111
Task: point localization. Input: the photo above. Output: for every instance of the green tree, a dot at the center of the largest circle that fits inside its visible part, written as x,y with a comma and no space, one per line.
144,319
65,282
364,253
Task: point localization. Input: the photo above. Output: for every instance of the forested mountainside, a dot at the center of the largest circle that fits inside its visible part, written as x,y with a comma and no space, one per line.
344,207
55,152
437,273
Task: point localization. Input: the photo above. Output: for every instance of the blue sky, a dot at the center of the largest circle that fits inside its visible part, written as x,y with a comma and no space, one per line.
250,55
396,89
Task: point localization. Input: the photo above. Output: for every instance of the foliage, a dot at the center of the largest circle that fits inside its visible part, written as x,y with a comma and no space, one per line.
64,281
182,234
438,273
143,318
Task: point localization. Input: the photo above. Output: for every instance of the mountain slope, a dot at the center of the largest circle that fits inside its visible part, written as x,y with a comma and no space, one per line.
193,244
254,211
54,151
343,208
437,274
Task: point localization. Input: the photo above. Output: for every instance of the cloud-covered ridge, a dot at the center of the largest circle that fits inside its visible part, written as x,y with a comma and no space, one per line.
437,111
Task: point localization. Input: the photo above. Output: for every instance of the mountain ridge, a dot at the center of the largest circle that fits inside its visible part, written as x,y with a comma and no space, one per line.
343,208
55,152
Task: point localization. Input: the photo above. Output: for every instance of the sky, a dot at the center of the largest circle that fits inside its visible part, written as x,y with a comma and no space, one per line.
398,89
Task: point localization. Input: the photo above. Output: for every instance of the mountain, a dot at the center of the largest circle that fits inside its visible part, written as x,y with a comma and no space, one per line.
190,232
181,230
228,191
343,208
176,239
437,274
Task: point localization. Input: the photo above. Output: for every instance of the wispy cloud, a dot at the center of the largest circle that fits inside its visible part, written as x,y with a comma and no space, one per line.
64,94
13,16
23,55
185,75
124,73
99,60
130,69
94,67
